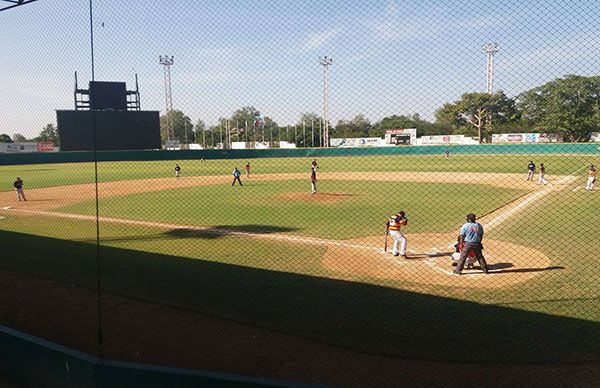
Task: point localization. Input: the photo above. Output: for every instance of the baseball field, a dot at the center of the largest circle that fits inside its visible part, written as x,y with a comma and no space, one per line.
271,255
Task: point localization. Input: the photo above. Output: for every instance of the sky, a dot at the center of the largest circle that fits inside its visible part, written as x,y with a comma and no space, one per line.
389,57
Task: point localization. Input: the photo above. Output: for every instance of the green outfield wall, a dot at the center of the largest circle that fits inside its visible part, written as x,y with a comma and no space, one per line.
480,149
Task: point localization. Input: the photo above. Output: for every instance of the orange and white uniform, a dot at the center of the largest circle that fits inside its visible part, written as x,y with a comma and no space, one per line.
394,224
591,178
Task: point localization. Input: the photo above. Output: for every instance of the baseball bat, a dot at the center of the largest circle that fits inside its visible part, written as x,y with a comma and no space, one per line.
386,240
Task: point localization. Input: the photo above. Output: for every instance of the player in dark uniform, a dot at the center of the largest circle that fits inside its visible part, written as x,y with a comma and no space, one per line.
18,185
530,170
313,176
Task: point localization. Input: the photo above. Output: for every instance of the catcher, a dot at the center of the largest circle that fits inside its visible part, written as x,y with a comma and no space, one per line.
471,257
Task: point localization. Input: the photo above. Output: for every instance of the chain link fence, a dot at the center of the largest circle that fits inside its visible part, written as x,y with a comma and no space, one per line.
342,193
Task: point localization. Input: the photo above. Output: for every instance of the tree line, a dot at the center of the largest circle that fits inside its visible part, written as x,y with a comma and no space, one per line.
568,106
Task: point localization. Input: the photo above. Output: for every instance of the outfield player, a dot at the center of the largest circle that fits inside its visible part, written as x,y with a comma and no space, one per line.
393,225
177,171
247,170
530,170
591,178
471,233
18,185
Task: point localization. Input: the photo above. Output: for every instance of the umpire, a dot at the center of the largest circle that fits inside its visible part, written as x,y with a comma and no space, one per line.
472,233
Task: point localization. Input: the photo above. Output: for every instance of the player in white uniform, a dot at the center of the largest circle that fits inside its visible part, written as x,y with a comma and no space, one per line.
591,178
393,226
542,175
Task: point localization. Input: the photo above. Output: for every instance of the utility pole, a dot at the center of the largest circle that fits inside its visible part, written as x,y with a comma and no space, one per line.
325,62
185,129
167,62
303,134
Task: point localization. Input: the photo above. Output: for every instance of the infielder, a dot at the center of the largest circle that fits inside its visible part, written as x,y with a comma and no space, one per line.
591,178
18,185
177,171
530,170
393,226
313,176
542,175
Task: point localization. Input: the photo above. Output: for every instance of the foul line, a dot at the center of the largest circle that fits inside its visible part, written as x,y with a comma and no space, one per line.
528,200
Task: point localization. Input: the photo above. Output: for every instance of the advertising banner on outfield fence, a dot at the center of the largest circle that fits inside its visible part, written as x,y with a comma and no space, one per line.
442,139
355,142
526,138
18,147
44,146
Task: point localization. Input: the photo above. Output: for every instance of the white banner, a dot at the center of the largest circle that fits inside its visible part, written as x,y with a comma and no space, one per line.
355,142
595,136
526,138
18,147
443,139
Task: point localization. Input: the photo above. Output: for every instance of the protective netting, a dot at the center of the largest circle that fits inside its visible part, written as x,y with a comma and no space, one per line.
317,167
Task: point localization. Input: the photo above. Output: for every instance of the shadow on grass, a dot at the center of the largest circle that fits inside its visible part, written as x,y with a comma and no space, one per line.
254,228
362,317
206,234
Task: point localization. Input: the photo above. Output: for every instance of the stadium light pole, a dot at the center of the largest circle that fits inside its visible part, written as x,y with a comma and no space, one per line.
167,62
490,49
325,62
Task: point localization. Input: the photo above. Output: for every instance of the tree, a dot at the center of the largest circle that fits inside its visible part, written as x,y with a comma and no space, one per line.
4,138
415,121
359,126
479,110
18,138
182,126
569,106
48,134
